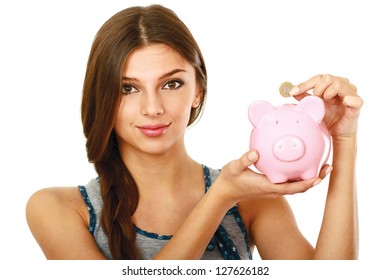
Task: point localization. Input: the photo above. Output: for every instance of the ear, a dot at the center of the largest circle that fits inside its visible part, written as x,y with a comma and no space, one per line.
198,98
258,110
313,106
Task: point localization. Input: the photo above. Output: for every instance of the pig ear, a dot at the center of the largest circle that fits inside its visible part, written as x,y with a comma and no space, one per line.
258,110
313,106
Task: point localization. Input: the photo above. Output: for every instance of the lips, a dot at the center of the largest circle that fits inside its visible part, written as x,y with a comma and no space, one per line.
154,130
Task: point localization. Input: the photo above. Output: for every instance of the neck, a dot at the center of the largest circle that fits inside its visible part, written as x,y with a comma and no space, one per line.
159,171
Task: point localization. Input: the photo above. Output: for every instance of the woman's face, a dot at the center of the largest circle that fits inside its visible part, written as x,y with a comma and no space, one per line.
159,90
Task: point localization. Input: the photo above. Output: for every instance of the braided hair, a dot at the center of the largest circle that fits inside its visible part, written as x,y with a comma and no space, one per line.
123,33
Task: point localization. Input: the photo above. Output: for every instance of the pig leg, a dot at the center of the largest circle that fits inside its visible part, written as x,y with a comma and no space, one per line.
310,173
277,177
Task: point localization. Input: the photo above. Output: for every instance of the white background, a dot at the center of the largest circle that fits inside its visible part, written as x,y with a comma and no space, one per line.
250,47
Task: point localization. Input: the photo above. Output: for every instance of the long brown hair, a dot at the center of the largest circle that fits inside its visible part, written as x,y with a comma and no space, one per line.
123,33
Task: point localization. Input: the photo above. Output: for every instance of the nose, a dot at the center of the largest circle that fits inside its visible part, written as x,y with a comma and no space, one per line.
152,104
289,148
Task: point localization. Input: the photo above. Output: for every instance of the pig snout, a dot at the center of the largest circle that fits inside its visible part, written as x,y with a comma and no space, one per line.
288,148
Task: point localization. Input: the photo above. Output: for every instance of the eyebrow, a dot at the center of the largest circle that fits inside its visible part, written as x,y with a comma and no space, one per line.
166,75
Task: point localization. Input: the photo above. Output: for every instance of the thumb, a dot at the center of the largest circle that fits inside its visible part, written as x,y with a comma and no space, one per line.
245,161
354,102
251,156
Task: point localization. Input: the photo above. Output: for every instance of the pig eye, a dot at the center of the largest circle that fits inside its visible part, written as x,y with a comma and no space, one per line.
276,122
297,121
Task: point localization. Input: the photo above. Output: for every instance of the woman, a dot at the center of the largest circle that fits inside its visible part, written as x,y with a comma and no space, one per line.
145,82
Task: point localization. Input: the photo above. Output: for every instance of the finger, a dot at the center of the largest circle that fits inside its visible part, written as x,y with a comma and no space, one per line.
300,96
304,87
353,101
301,90
327,82
325,170
337,88
326,86
352,105
249,158
296,187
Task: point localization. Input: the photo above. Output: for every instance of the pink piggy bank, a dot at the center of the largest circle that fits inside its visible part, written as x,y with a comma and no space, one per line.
292,140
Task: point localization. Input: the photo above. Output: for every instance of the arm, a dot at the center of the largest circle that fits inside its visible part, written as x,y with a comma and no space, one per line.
58,220
273,229
338,238
276,234
340,223
193,236
235,183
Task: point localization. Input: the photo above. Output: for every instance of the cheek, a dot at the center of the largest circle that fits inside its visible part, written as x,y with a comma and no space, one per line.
180,107
125,114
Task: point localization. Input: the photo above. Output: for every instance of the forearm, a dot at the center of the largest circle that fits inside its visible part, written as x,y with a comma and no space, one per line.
192,238
338,238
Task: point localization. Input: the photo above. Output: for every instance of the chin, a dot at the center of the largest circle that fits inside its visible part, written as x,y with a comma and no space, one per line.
157,148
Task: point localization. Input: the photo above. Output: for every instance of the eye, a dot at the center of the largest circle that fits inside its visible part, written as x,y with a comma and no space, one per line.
173,84
128,89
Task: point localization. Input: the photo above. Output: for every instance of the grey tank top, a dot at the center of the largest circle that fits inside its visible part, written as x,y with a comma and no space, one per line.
229,242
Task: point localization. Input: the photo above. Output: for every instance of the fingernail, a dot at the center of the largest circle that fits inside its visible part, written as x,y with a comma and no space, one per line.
252,156
294,91
328,170
317,182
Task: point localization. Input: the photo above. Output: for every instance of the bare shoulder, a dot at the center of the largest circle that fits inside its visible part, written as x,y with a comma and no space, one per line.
58,193
58,219
55,202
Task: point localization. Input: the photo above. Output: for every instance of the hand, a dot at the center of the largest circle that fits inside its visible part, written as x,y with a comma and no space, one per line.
239,182
342,104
